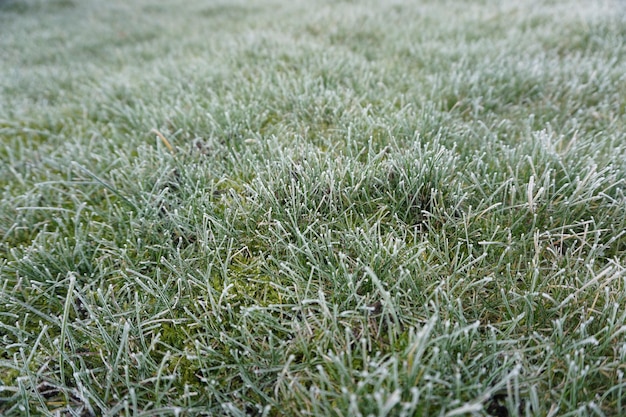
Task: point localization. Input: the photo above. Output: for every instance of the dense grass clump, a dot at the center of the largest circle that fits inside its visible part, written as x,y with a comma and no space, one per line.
351,208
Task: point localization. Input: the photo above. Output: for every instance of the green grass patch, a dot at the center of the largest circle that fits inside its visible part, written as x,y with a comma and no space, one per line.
344,208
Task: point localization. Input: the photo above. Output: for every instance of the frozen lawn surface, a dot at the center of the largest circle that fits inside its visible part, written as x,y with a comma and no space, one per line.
312,208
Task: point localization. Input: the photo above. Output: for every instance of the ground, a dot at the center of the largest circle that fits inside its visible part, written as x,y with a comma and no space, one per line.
316,208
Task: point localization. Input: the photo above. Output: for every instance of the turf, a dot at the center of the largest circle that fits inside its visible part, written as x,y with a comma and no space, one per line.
312,208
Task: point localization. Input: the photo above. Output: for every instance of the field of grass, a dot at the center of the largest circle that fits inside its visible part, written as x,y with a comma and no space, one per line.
312,208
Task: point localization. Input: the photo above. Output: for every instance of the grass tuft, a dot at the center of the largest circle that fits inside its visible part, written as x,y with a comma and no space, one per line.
324,208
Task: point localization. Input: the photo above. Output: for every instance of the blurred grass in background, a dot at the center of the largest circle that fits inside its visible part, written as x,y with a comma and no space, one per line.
312,208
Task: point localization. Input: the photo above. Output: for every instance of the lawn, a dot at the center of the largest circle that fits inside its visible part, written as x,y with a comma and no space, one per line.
312,208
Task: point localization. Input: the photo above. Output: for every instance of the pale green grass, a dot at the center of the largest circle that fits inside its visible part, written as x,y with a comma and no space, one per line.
356,208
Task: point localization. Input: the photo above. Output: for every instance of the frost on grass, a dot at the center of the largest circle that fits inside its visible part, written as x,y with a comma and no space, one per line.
335,208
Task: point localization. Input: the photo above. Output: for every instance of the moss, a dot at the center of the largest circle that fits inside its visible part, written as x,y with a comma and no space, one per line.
174,336
8,376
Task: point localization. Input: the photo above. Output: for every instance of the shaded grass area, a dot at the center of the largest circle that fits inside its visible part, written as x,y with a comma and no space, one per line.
328,208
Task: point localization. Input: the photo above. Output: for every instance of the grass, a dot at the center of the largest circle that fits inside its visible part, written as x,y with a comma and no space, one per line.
312,208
